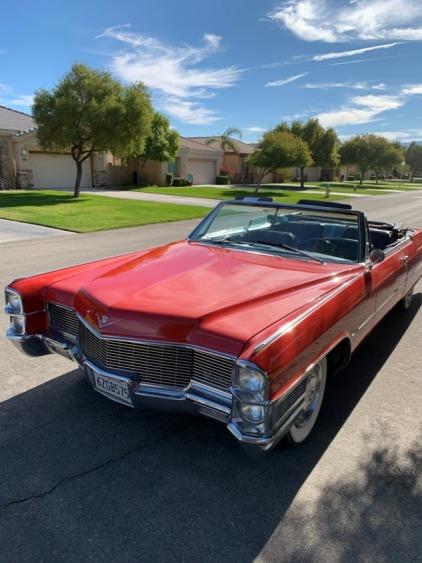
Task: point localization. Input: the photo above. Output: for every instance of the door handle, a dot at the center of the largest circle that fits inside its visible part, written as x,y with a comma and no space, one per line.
404,259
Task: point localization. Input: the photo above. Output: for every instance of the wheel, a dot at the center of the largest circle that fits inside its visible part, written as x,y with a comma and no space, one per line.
405,303
314,395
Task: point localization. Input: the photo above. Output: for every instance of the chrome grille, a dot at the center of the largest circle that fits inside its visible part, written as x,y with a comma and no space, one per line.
62,320
294,395
213,370
157,364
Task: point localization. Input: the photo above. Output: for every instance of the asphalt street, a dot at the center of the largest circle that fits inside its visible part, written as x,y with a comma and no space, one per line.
84,479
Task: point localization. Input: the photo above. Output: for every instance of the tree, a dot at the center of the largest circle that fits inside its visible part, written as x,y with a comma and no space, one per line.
162,142
370,152
322,143
88,111
386,156
279,149
413,159
225,141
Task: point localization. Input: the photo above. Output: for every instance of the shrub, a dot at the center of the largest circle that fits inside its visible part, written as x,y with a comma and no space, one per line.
222,180
283,175
179,182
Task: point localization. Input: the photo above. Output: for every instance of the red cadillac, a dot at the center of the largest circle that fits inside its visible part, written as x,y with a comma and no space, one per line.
241,322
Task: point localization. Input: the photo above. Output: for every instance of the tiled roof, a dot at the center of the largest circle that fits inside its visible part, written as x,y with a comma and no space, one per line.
191,143
13,120
241,147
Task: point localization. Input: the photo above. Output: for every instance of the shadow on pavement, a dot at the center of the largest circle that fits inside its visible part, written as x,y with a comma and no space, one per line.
82,478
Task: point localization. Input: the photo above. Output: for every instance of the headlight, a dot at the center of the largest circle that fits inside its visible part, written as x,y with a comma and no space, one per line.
253,413
251,379
18,324
13,302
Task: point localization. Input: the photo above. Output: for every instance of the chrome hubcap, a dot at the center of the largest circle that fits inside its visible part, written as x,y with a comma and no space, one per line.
311,398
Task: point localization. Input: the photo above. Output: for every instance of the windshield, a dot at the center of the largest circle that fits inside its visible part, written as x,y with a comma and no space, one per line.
306,234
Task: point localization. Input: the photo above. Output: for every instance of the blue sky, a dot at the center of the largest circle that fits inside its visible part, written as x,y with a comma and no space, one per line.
243,63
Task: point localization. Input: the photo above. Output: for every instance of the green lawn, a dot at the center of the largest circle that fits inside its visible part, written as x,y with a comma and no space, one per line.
290,192
89,212
373,187
209,192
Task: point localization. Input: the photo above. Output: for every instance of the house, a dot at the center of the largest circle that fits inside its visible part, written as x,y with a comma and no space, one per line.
25,164
235,162
194,159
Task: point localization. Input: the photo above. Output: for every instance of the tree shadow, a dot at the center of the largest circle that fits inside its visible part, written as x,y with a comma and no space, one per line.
82,478
35,199
373,515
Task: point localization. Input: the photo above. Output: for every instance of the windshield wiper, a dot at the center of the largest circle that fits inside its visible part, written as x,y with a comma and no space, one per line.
292,249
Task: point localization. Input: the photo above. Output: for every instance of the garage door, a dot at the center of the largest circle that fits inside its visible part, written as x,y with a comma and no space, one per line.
57,171
203,171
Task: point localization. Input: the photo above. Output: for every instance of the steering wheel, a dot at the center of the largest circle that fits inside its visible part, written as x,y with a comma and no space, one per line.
322,245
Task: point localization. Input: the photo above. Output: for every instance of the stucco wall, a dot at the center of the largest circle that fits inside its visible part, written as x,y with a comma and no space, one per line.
233,163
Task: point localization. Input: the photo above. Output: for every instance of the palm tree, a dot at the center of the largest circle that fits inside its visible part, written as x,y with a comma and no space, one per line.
225,141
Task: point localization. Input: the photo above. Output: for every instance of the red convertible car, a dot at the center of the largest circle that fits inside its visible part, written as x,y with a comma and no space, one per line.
241,322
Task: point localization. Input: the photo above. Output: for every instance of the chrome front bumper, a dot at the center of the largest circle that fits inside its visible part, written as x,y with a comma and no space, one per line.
197,399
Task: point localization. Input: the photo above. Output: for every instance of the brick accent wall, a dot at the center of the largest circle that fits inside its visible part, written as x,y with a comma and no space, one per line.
4,164
100,179
24,179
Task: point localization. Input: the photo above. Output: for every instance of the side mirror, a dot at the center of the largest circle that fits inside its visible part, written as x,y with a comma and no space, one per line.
376,256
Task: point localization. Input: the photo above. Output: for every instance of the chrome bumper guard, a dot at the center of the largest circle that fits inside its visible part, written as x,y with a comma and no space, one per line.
196,399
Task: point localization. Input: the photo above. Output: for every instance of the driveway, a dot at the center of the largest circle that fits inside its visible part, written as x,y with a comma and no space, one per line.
11,231
84,479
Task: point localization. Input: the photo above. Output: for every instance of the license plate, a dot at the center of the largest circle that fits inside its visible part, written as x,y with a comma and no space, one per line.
115,389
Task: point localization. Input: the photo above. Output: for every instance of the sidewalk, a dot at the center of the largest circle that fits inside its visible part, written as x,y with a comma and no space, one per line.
162,198
185,200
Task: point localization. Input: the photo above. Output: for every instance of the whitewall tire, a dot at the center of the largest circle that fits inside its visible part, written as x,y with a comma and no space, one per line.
306,419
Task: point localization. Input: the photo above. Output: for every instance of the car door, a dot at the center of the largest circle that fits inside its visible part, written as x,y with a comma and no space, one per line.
389,279
412,256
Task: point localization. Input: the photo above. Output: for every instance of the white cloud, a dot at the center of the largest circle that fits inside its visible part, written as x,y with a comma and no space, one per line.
404,135
174,71
365,109
347,85
378,103
284,81
297,115
188,111
325,20
255,129
371,60
360,109
25,100
271,65
354,52
412,89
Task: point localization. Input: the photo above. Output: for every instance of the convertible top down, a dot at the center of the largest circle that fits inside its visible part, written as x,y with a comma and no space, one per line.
239,322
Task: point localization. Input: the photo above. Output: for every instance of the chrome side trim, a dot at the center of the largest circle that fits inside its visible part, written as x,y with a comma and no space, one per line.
288,326
399,244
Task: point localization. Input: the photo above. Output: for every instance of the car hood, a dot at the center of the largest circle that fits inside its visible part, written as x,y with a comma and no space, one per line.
199,294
